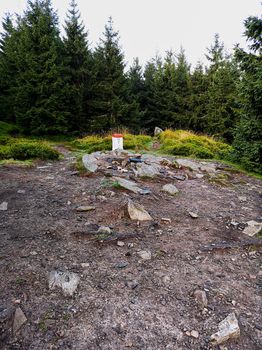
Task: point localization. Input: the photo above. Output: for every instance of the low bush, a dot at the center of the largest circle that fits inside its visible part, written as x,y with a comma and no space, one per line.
186,143
104,143
21,149
8,129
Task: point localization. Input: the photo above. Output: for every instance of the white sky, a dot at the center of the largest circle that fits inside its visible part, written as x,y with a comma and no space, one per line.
150,26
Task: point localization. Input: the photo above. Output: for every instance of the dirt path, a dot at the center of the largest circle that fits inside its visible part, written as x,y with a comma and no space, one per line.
123,301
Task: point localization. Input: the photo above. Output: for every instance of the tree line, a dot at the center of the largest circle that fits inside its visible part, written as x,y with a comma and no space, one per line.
53,84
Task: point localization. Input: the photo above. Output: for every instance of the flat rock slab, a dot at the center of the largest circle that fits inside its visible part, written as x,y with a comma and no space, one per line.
19,320
227,329
128,185
67,281
137,212
253,228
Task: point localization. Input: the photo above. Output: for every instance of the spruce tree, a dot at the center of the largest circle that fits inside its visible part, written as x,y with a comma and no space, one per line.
110,108
39,94
248,133
77,60
8,72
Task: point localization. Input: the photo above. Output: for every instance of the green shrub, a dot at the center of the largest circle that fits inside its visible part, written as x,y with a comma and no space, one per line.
8,129
21,149
186,143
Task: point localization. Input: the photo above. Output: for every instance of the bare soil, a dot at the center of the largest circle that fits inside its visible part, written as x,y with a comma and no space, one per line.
123,301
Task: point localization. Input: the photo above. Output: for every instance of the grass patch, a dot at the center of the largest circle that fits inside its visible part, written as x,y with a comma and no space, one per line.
189,144
25,149
104,143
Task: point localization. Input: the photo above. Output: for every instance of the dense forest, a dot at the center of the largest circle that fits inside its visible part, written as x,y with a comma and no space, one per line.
52,84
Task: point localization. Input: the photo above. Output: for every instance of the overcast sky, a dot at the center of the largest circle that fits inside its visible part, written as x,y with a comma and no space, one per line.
150,26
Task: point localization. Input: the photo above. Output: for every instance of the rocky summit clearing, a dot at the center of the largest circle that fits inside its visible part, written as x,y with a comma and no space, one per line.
189,276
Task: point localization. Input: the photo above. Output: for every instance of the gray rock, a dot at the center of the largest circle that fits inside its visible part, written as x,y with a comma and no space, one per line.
227,329
21,191
67,281
193,215
201,297
19,319
148,170
90,162
85,208
253,228
121,265
128,185
3,206
137,212
104,230
170,189
144,254
157,131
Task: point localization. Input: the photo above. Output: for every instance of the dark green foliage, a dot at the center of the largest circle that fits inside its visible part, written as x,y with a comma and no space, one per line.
77,61
39,95
248,134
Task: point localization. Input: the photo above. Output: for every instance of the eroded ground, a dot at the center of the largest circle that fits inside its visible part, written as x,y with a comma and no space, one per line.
123,301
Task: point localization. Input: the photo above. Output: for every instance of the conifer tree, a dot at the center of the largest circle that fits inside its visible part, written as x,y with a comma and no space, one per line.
77,62
248,133
8,43
110,108
39,94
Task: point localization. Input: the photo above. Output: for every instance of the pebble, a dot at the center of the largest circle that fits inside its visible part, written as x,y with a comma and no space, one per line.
193,215
144,254
104,229
166,220
121,265
120,243
194,334
21,191
85,208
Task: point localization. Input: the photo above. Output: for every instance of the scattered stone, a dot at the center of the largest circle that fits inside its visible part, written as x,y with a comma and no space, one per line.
131,284
253,228
121,265
157,131
90,162
104,230
187,163
166,220
85,208
194,334
19,319
3,206
228,329
137,212
193,215
21,191
144,254
130,245
147,170
242,198
127,184
69,202
233,302
67,281
179,177
120,243
170,189
201,297
85,265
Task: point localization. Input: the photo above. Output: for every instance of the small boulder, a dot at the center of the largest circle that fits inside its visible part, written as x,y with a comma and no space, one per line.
137,212
67,281
170,189
201,297
157,131
90,162
147,170
19,319
227,329
144,254
3,206
104,230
